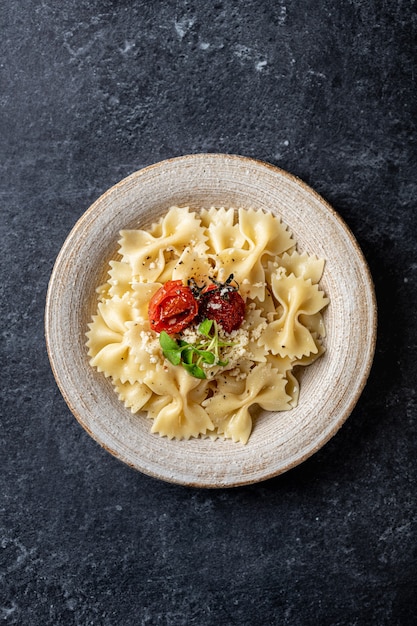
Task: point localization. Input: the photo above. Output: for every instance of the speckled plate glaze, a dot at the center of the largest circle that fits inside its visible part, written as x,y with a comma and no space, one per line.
330,387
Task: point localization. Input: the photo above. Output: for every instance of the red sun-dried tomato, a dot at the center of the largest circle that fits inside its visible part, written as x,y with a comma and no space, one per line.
172,308
223,303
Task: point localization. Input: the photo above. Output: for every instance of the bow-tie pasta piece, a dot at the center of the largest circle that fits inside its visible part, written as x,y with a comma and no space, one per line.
133,395
229,411
222,231
303,265
141,294
107,342
120,278
148,252
287,336
192,263
264,237
180,417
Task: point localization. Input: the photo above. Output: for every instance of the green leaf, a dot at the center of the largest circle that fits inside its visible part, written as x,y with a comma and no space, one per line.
194,370
166,342
187,355
208,357
192,356
173,356
205,327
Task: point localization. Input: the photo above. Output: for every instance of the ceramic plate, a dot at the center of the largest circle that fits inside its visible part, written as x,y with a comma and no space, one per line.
330,387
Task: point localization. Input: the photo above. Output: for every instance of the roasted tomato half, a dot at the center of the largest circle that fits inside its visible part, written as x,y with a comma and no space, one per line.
223,303
172,308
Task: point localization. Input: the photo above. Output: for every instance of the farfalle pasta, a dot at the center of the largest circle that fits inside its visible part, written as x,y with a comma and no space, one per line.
282,328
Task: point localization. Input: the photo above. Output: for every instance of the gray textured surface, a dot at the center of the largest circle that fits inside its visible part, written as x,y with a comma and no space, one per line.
93,91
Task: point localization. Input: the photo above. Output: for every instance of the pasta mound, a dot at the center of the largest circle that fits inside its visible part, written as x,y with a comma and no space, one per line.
282,329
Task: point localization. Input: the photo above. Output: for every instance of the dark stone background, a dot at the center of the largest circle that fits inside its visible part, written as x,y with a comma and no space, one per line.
92,91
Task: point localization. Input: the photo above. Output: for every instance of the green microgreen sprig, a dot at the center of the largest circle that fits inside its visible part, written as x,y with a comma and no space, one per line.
192,356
